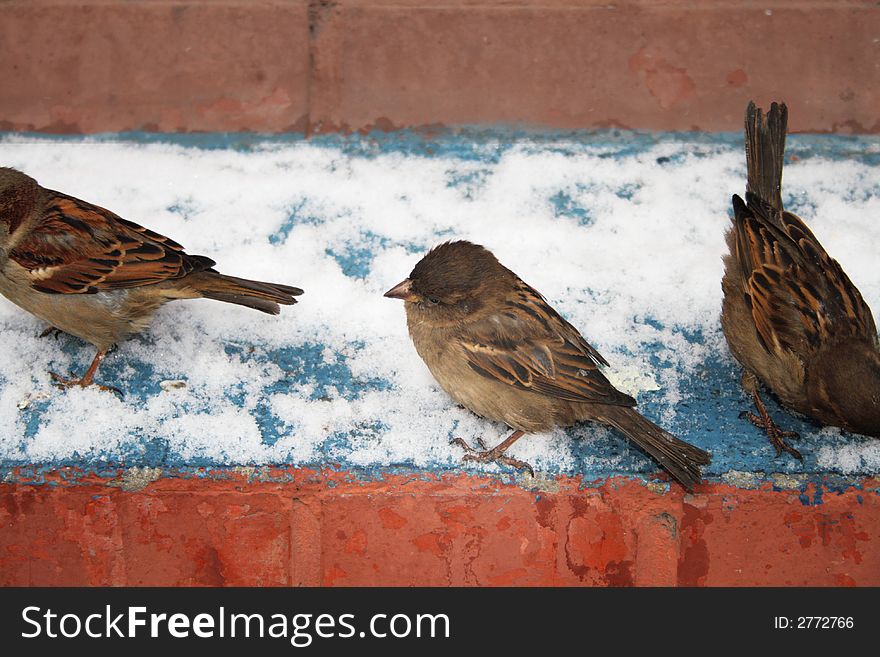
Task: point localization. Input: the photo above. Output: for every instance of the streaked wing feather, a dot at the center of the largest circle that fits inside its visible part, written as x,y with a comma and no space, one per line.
528,345
799,295
80,248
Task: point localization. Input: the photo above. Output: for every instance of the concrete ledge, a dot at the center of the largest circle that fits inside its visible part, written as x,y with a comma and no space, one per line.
346,65
305,527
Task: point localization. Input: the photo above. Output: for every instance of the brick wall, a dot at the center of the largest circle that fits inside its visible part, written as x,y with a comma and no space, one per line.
302,527
293,65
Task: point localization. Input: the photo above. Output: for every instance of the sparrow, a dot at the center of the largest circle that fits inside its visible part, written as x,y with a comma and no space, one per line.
791,316
99,277
496,347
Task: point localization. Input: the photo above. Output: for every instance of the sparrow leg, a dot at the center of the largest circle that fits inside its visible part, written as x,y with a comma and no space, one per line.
88,378
55,332
496,453
776,435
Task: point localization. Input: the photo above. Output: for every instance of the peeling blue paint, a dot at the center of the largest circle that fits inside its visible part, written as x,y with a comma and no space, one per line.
488,144
565,206
356,258
296,215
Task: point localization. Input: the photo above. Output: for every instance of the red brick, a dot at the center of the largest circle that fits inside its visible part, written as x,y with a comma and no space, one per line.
50,537
276,65
308,528
206,537
305,543
566,64
85,67
773,539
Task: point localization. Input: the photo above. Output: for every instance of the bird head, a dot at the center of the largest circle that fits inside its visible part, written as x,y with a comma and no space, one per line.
18,194
454,280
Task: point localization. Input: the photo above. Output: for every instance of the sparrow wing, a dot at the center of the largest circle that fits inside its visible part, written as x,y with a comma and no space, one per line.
528,345
80,248
800,296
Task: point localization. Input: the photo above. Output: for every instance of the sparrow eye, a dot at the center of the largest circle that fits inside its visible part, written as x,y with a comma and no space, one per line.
433,300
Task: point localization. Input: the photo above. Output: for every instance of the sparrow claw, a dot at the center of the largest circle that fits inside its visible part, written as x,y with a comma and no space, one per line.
777,438
751,417
460,442
55,332
471,454
65,383
776,435
491,455
522,466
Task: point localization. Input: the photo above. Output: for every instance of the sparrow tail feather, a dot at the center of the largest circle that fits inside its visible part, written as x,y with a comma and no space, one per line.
243,292
682,460
765,149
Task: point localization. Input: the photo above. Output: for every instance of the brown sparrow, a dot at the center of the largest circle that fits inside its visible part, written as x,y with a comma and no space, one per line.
496,346
95,275
791,315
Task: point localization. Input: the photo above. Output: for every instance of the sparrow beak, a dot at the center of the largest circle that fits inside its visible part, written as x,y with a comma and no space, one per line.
402,290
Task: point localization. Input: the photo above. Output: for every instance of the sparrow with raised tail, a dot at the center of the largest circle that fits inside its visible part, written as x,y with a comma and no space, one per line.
95,275
791,316
497,347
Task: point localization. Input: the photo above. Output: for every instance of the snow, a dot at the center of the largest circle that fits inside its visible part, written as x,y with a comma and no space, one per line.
625,242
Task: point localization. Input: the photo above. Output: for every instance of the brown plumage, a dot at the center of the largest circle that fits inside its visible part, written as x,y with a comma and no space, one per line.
791,315
498,348
95,275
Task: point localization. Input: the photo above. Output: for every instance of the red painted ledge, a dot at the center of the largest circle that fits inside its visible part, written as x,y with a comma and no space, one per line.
85,66
303,527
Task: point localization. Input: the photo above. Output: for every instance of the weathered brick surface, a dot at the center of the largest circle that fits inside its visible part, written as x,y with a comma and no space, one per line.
326,529
644,65
84,67
216,538
325,65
